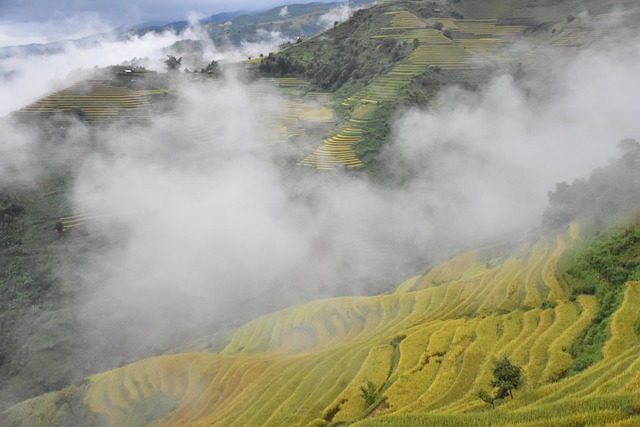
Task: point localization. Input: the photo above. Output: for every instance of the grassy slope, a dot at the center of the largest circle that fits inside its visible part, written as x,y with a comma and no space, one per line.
428,348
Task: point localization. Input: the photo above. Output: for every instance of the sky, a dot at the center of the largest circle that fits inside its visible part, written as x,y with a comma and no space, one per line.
113,13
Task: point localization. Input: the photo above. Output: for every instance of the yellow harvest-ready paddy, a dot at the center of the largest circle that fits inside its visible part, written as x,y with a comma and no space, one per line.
424,349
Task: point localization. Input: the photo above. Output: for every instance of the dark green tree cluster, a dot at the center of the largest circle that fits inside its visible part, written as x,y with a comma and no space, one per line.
354,59
345,54
281,65
10,221
212,68
609,193
601,267
172,63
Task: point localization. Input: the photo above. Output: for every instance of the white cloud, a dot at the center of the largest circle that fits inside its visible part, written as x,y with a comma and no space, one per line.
29,77
490,157
338,14
218,229
204,219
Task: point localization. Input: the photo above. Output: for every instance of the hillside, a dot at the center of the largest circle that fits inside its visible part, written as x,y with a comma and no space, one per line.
559,300
428,348
403,53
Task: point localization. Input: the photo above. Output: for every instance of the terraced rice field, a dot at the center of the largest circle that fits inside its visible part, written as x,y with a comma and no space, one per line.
588,36
428,349
297,113
611,26
337,150
70,222
97,101
472,39
443,55
288,82
405,20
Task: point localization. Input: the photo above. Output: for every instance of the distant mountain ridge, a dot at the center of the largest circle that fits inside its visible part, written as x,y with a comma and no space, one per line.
217,24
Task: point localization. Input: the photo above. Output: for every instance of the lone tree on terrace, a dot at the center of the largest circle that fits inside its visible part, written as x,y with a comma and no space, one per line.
506,378
369,392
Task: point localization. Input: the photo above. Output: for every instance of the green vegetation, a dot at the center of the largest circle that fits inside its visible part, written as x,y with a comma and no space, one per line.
389,55
507,377
369,392
64,407
346,54
601,267
601,199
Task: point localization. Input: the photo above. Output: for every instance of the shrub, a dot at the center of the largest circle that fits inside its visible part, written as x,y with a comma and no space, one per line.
369,392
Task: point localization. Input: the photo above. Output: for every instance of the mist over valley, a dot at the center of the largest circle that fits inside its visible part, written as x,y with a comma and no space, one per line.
321,214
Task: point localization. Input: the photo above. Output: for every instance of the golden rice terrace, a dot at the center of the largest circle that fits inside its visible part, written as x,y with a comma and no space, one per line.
428,348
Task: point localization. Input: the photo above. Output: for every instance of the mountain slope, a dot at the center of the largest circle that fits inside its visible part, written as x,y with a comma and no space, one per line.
428,347
561,306
401,53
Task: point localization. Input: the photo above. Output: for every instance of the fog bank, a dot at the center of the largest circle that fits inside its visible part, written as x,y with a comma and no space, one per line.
207,219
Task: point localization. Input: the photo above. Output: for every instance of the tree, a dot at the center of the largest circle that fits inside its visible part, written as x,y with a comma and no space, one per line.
506,378
369,392
172,63
65,396
212,68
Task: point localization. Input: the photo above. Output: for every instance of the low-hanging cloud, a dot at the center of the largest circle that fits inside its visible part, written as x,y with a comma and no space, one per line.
204,218
27,77
489,157
208,229
337,14
220,230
